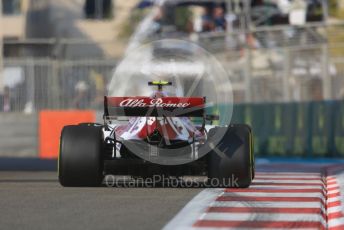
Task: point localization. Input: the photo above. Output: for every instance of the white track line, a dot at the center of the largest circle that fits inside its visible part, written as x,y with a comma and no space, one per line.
288,176
333,199
332,186
265,194
274,186
335,222
263,204
193,210
334,209
263,217
289,173
289,181
333,191
238,228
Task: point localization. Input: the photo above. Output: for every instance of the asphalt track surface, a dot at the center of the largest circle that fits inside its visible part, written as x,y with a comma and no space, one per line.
35,200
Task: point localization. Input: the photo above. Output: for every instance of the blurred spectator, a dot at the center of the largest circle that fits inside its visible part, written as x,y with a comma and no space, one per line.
98,81
220,23
6,102
298,12
82,96
184,19
207,20
252,41
284,6
157,21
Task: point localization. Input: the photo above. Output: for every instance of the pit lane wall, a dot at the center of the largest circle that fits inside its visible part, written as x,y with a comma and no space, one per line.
310,129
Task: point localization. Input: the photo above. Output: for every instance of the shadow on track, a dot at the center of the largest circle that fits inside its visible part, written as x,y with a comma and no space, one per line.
27,164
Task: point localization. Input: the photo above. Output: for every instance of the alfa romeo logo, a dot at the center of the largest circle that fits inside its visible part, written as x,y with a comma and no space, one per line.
157,102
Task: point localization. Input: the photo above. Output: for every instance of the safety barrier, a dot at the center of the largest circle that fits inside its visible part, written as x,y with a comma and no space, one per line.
308,129
51,124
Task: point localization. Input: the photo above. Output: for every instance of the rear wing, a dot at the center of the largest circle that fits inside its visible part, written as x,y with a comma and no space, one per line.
154,107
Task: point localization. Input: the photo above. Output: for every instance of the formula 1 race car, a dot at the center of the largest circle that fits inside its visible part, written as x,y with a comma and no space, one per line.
161,135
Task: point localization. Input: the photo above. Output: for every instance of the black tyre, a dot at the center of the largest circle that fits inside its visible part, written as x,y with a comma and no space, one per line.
231,162
81,156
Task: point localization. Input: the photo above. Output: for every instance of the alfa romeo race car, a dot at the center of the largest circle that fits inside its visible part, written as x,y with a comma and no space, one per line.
160,135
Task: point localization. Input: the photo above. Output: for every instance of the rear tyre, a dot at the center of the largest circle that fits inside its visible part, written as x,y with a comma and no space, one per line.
231,162
81,156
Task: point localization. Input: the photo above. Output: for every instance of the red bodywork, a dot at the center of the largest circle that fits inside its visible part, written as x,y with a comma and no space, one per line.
167,115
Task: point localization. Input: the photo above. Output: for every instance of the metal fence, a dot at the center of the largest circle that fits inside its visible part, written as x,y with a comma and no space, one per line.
285,74
35,84
280,64
258,75
283,64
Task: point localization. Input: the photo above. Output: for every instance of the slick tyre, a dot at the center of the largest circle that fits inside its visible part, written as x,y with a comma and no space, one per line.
231,161
81,156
